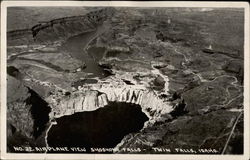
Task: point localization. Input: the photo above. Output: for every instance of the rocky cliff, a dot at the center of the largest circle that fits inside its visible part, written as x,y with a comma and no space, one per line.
58,28
89,100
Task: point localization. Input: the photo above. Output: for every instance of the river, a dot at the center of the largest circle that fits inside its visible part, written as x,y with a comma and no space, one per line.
76,47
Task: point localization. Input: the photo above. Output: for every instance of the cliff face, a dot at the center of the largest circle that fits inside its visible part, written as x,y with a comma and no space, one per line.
27,114
90,100
17,106
58,28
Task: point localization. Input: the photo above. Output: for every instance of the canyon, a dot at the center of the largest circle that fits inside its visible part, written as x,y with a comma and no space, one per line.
152,67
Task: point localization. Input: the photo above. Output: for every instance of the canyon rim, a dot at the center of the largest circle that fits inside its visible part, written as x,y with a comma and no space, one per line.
125,80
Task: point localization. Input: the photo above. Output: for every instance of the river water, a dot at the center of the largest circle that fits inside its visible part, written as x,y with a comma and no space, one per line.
76,46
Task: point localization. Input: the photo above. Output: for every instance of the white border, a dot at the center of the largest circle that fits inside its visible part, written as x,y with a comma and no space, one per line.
5,4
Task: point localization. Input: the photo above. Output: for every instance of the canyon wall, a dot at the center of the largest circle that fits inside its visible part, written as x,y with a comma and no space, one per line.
58,29
27,112
91,100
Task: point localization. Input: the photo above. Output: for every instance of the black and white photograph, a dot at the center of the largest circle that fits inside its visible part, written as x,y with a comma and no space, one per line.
126,80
